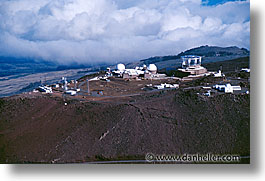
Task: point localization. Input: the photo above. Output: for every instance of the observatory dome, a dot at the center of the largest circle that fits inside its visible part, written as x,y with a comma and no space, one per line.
152,68
121,67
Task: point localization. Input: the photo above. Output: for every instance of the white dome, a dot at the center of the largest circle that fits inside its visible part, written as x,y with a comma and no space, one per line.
152,67
121,67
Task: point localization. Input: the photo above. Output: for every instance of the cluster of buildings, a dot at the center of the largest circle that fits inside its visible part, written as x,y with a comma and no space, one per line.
63,86
191,64
226,88
72,91
149,71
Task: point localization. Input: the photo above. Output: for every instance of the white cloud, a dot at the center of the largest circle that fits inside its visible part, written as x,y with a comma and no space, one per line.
89,31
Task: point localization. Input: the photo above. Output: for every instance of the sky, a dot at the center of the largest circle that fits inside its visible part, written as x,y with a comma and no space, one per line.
216,2
109,31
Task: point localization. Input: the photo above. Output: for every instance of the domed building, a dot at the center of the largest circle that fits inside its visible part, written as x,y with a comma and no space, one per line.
120,67
152,68
137,72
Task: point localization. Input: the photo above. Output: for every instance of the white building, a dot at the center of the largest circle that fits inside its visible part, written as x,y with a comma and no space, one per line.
236,88
164,86
71,92
208,93
228,88
45,89
219,74
246,70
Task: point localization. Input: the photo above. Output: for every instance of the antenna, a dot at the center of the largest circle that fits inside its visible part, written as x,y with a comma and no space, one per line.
87,82
75,84
65,83
44,79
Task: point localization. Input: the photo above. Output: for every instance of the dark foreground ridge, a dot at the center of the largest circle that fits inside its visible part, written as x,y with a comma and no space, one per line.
43,130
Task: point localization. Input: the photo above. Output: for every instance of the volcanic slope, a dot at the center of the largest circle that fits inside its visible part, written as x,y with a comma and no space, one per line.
42,129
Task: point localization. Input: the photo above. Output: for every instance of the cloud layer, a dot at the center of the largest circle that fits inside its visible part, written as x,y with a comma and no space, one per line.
89,31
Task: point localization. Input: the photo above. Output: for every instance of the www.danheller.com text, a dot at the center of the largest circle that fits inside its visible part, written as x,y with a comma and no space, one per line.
150,157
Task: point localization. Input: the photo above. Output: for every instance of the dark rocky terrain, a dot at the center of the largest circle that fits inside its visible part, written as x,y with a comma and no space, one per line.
42,129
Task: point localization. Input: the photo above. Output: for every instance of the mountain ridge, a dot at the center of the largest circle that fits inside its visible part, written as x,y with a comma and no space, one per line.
204,51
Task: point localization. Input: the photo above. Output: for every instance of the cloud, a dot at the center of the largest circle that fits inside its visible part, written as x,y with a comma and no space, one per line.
89,31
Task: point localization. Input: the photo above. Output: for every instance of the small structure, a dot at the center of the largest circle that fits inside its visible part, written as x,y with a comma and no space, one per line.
108,70
147,74
88,89
94,79
109,73
228,88
164,86
65,83
104,78
45,89
35,91
71,92
236,88
55,85
219,74
245,70
159,76
97,93
75,84
208,93
131,73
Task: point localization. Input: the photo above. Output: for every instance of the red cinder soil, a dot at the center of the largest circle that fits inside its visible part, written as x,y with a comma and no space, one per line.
42,129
